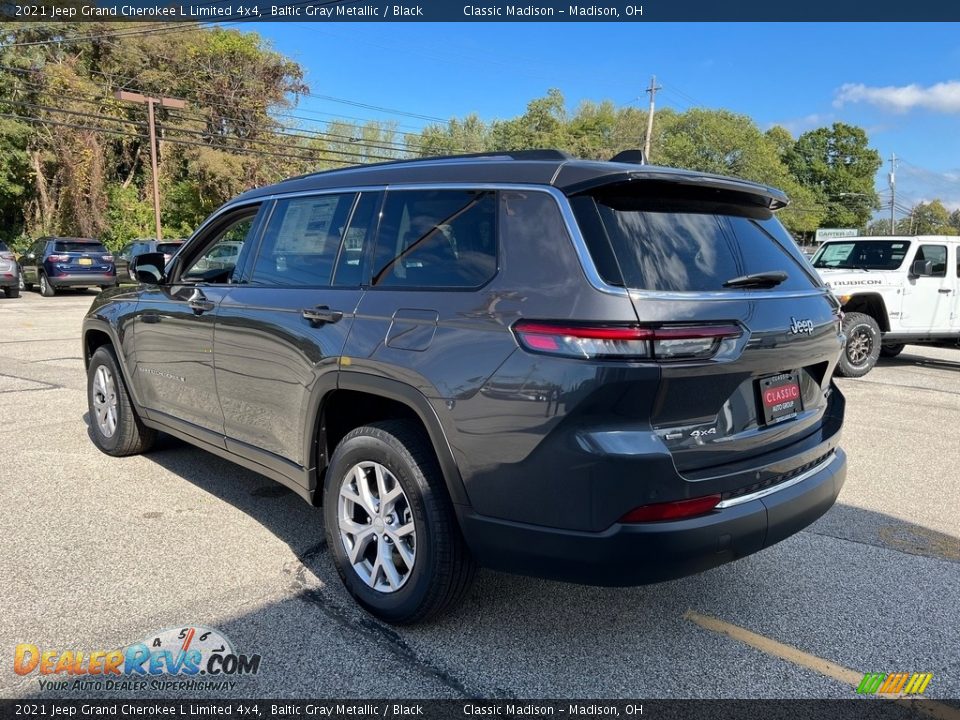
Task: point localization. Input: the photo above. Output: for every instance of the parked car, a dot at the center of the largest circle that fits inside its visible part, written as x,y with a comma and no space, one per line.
599,372
9,272
894,291
131,250
54,263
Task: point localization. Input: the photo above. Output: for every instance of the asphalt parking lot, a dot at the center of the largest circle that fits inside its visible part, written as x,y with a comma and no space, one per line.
100,552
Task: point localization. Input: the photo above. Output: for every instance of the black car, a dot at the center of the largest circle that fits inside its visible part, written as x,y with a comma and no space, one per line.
55,263
600,372
131,250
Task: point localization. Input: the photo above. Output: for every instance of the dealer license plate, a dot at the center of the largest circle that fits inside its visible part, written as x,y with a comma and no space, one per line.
780,397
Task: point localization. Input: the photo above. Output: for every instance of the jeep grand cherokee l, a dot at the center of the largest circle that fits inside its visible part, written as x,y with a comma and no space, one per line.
599,372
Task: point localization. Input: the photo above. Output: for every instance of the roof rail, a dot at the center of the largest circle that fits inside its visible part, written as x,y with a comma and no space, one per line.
539,154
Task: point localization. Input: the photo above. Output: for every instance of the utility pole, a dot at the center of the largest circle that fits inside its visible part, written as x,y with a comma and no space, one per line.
646,143
892,179
166,102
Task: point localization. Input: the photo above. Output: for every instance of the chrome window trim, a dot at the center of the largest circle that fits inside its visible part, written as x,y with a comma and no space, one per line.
573,231
732,502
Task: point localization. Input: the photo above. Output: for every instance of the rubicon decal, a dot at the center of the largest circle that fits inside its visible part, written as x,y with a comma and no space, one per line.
185,651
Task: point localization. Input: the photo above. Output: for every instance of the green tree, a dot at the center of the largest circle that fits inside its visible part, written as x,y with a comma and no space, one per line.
930,218
838,164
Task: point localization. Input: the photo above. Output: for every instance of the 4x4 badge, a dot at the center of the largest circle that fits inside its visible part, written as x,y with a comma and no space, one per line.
801,326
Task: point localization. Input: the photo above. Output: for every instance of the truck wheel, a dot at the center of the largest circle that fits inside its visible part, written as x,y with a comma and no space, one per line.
889,351
115,426
863,345
390,525
46,289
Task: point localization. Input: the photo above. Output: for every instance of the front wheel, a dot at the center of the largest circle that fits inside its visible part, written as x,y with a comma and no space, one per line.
46,289
889,351
115,426
390,524
862,348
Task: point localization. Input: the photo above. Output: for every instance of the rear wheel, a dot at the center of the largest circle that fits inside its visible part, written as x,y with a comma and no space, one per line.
12,292
114,423
46,289
862,347
390,524
889,351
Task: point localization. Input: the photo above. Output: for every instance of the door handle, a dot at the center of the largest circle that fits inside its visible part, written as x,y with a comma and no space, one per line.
199,304
321,315
945,291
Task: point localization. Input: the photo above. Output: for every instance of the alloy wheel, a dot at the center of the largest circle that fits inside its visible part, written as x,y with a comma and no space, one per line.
376,526
105,401
859,346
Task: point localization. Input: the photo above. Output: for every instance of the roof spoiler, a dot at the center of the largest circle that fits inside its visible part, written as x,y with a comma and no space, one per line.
630,156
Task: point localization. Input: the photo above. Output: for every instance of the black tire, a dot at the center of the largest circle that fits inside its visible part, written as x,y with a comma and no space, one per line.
443,568
12,292
862,348
131,436
890,351
46,288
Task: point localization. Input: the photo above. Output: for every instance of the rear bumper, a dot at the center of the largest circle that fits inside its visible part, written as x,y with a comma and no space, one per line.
642,553
82,279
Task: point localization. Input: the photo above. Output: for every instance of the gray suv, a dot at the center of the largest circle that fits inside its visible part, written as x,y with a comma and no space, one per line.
599,372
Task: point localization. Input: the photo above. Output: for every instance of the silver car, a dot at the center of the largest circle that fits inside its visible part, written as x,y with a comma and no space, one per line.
10,278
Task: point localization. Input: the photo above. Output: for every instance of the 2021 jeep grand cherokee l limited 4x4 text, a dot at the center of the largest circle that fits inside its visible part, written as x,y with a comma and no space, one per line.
598,372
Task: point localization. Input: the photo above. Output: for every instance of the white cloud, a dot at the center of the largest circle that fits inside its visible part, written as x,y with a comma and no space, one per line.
943,97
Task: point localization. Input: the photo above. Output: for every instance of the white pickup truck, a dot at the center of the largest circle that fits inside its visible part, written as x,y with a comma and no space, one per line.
894,291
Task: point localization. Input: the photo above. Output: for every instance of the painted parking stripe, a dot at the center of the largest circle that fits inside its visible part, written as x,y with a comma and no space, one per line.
796,656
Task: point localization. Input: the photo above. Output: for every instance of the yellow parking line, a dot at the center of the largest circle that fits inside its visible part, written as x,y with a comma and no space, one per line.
817,664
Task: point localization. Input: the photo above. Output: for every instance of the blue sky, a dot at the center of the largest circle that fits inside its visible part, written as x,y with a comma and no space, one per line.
899,81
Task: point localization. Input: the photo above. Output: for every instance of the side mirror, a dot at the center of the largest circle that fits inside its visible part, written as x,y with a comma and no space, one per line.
148,268
921,268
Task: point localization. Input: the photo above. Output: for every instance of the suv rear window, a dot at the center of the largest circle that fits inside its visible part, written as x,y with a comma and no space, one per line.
3,247
78,246
683,244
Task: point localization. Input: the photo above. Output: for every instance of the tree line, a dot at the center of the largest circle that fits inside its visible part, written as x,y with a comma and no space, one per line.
75,161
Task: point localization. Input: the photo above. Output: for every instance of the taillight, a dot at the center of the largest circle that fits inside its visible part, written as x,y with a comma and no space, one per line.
664,342
107,258
676,510
58,258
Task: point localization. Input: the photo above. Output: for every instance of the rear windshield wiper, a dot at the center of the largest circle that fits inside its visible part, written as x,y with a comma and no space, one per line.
768,279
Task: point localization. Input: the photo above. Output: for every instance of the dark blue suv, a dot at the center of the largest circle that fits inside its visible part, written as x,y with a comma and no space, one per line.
600,372
55,263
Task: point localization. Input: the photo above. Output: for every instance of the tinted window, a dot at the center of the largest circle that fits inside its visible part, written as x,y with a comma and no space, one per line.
3,247
301,241
75,246
350,264
687,246
442,238
863,254
219,260
936,254
168,248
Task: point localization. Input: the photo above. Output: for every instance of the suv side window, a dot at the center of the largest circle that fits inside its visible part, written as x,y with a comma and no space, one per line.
301,241
351,264
936,254
218,261
436,238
